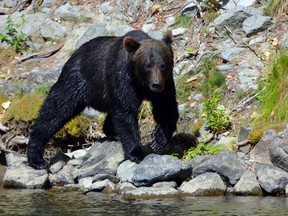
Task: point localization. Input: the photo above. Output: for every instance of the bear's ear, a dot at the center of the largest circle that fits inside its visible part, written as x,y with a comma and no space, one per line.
130,44
168,38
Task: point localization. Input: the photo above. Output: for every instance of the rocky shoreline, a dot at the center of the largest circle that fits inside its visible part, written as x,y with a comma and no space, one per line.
243,38
102,168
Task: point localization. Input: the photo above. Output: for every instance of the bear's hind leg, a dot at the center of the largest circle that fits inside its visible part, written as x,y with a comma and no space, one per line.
60,106
108,127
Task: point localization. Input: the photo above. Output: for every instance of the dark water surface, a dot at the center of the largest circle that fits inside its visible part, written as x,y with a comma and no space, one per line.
40,202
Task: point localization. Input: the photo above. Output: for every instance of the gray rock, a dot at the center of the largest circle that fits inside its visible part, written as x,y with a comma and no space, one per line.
97,29
100,185
178,31
230,53
126,170
101,158
105,7
227,164
2,174
148,27
194,162
85,182
124,187
248,75
158,35
103,176
190,9
14,159
56,167
207,184
48,2
37,78
33,23
272,179
69,12
75,162
226,142
25,177
51,30
237,3
260,153
279,153
255,24
7,3
248,185
170,21
284,40
234,18
64,176
243,134
120,30
172,184
160,168
150,192
224,67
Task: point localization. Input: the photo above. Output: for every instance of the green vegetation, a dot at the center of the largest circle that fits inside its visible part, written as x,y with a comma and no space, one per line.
255,135
276,7
145,110
213,77
77,127
183,21
13,37
202,149
273,99
216,115
183,88
24,109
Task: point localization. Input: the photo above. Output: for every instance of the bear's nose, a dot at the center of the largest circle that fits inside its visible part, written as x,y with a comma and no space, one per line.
156,87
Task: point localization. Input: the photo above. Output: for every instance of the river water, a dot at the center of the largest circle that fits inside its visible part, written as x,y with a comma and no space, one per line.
41,202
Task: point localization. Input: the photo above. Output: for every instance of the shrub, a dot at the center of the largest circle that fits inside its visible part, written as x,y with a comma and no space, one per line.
17,40
216,116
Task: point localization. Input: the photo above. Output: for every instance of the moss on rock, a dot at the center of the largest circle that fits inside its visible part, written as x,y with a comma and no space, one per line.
77,127
24,109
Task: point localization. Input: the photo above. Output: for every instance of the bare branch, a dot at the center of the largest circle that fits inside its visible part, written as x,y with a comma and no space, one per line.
40,55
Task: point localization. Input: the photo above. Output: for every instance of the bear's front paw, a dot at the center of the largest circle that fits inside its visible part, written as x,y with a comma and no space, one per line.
159,139
37,163
136,155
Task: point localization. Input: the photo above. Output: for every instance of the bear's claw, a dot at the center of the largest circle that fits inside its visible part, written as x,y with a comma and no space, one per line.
159,139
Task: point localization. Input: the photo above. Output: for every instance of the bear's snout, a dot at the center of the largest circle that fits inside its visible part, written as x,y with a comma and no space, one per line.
156,82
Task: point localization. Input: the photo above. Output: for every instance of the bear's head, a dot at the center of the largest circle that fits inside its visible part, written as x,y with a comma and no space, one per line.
152,60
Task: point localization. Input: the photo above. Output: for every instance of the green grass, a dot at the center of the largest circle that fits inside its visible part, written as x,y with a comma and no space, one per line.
276,7
213,78
183,21
273,100
183,88
202,149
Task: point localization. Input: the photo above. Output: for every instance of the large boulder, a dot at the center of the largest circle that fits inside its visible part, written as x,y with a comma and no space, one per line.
206,184
101,158
227,164
272,179
160,168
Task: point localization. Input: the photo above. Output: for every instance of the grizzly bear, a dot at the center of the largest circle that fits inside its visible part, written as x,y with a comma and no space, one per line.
112,75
